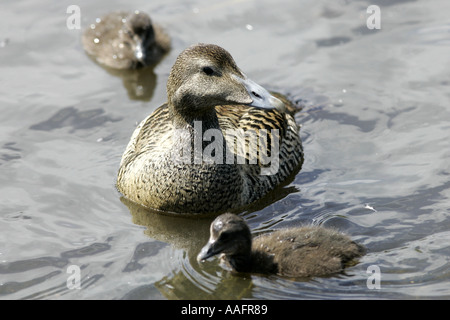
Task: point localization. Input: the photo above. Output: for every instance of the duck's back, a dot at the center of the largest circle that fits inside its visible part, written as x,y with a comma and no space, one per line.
308,251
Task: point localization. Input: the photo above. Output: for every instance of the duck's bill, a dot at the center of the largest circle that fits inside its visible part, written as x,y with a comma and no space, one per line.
261,98
208,251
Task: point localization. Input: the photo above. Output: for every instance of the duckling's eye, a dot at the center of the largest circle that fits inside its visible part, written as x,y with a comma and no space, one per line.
208,70
225,236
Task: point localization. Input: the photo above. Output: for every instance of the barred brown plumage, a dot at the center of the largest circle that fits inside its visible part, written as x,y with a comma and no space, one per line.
186,157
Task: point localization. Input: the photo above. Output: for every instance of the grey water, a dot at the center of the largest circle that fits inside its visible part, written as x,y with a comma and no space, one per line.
375,130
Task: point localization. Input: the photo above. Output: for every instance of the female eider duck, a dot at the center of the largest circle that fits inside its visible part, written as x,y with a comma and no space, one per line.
185,157
300,252
123,40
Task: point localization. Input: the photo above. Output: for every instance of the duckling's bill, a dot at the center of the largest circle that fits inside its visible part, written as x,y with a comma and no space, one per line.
208,251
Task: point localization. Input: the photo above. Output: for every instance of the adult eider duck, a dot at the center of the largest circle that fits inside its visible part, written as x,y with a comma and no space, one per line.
187,156
300,252
124,40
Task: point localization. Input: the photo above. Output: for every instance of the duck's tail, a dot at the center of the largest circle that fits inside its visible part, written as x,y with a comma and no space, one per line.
292,106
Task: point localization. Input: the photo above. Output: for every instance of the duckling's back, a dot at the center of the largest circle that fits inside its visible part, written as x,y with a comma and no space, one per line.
308,251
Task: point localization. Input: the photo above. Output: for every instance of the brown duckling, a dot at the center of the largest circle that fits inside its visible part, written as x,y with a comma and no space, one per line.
181,159
301,252
124,40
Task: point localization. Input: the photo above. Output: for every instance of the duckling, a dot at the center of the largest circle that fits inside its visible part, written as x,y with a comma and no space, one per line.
123,40
300,252
182,158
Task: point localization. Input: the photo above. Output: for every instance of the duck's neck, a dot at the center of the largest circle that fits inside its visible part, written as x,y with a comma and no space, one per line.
198,138
207,119
254,262
240,262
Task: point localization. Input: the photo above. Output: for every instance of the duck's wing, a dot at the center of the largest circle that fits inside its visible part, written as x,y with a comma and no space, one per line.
271,130
152,133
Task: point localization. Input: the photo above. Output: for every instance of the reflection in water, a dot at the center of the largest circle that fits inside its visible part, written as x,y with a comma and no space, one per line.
139,83
11,152
142,251
58,263
182,232
335,41
76,119
224,285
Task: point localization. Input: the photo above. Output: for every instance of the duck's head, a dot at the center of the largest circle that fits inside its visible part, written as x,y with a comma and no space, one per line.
139,30
205,75
229,235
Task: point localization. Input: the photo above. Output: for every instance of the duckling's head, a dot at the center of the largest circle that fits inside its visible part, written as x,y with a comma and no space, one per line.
205,75
229,235
139,29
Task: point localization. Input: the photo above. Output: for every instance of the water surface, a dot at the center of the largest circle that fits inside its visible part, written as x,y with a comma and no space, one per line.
375,128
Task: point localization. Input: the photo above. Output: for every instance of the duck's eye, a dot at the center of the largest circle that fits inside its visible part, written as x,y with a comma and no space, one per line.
208,70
